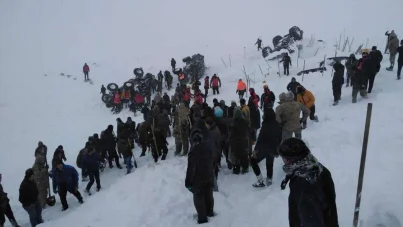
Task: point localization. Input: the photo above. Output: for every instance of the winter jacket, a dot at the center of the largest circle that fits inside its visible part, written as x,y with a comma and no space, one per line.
241,87
116,98
246,111
56,160
206,83
41,174
90,162
173,62
239,139
28,193
350,65
270,135
400,51
216,139
41,150
267,99
119,128
144,134
124,148
253,99
68,176
86,68
377,57
215,82
307,99
286,61
80,156
145,111
292,86
338,77
200,169
393,43
288,115
3,200
60,151
108,140
316,201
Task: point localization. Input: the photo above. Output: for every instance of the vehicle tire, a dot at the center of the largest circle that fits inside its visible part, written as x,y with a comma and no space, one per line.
266,51
296,33
276,40
106,98
112,87
128,84
138,72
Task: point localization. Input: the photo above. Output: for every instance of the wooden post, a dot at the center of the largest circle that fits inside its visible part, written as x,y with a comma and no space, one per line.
278,65
224,63
362,166
261,70
229,56
324,63
244,52
303,72
335,54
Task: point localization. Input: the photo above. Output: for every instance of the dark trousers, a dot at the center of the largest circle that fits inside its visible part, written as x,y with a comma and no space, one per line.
269,165
216,90
337,91
371,79
156,152
35,213
113,155
86,77
286,70
9,214
94,177
63,194
204,202
143,149
399,69
205,92
349,75
311,115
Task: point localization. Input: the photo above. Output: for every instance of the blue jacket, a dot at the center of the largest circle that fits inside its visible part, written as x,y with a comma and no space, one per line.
90,163
69,175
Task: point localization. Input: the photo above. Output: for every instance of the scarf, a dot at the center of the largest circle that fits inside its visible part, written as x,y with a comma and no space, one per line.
308,168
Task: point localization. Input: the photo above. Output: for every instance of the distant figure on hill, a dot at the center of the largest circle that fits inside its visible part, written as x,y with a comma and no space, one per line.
86,70
259,44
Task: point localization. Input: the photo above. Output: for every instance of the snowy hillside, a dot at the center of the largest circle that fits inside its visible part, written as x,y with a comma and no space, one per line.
42,39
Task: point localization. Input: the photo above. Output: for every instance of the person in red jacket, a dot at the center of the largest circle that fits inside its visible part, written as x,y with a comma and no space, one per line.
86,70
186,97
215,84
206,85
117,102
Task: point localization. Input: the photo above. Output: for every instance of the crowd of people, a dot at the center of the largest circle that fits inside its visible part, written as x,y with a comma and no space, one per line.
207,134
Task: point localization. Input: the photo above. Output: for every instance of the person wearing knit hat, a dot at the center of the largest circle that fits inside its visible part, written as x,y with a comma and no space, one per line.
288,115
29,198
239,141
231,109
218,112
310,184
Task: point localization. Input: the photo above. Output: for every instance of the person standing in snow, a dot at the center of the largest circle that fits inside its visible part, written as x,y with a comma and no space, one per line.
288,115
90,162
267,99
241,89
350,66
245,109
65,179
266,147
41,177
337,81
231,109
5,208
109,143
43,150
400,59
253,105
173,64
306,97
393,44
200,171
103,90
215,83
259,44
286,64
376,58
86,70
182,129
239,143
312,199
292,86
29,198
360,78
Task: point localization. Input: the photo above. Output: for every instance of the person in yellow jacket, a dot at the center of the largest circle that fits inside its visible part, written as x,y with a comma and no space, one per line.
308,99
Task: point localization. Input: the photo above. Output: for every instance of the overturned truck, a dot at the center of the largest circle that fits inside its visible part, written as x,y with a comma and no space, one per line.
194,68
284,42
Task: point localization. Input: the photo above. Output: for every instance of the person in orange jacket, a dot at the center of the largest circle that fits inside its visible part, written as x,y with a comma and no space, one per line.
241,89
306,97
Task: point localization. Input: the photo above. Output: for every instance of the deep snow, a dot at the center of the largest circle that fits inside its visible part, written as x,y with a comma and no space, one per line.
53,37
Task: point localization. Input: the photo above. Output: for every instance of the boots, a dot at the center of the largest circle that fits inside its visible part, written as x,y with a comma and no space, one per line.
259,183
390,68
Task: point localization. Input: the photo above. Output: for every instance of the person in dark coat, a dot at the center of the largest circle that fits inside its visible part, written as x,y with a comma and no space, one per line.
65,179
360,78
350,66
90,162
109,143
173,64
158,143
231,109
60,150
29,198
312,199
144,135
125,147
239,142
103,90
86,71
400,59
337,81
266,147
5,208
267,99
43,150
206,86
286,64
259,44
145,111
200,171
57,157
292,86
376,58
253,105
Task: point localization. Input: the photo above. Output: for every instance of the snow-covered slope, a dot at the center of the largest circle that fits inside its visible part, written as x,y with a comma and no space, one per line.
53,37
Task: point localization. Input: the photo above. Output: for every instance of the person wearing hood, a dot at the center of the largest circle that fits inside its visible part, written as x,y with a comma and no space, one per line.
253,105
173,64
41,177
266,147
5,208
86,71
239,143
215,83
29,198
90,162
215,134
200,170
60,151
245,109
350,66
306,98
337,81
267,99
65,179
393,44
181,129
312,198
103,90
360,78
241,89
292,86
109,143
288,115
231,109
286,64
